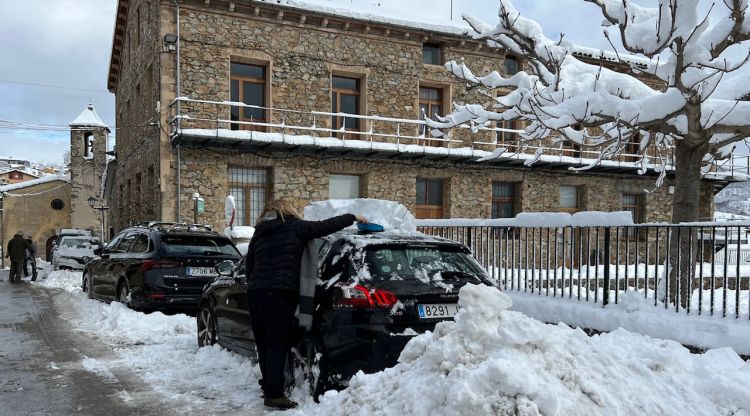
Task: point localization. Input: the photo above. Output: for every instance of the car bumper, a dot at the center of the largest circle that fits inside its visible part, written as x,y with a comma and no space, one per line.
161,301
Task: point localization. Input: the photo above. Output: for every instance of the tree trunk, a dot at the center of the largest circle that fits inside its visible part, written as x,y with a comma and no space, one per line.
685,208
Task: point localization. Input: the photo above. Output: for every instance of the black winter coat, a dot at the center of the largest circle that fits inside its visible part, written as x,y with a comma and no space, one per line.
17,247
275,252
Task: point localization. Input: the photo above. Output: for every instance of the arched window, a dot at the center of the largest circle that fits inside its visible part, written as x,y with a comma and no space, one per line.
88,145
57,204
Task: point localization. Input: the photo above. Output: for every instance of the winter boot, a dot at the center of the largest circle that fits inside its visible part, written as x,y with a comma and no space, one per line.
280,403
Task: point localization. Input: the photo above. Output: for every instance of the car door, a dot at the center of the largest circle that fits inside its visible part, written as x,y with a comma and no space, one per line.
233,315
115,265
100,265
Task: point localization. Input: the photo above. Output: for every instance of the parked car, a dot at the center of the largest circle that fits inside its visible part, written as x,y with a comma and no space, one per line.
63,233
376,292
72,252
157,266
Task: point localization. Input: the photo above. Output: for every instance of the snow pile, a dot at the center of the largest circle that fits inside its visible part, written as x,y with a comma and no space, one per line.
496,362
391,215
541,219
239,232
60,279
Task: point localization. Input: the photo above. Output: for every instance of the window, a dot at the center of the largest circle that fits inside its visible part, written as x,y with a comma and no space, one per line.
345,95
506,137
140,245
88,145
429,198
251,190
511,66
570,200
15,175
634,204
503,200
57,204
248,85
343,186
125,243
430,105
431,54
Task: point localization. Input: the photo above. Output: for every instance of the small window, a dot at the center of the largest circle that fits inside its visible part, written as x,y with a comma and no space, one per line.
344,186
57,204
429,198
570,199
431,54
511,65
634,204
140,245
503,199
88,145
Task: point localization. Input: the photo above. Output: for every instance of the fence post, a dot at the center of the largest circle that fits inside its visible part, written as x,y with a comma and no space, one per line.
468,239
605,298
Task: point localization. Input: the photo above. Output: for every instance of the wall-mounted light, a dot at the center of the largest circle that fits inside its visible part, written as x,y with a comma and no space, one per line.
170,41
92,201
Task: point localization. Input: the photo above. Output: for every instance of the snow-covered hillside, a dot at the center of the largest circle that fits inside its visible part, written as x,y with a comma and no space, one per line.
734,199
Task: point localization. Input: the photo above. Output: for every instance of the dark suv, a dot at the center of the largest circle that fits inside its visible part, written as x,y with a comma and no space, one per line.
376,292
157,266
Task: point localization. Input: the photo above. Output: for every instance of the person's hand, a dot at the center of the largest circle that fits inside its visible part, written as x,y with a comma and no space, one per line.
361,219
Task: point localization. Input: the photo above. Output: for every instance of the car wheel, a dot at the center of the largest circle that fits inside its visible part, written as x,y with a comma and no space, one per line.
308,357
206,326
86,285
123,294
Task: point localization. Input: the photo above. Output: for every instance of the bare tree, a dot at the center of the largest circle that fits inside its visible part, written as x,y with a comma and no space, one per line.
681,94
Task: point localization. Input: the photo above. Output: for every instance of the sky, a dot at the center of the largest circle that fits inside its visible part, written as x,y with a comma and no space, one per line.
65,45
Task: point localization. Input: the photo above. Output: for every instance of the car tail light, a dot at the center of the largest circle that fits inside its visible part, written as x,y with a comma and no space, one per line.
147,265
156,296
360,296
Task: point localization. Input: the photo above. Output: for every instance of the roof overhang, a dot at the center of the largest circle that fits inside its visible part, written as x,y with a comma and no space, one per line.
118,38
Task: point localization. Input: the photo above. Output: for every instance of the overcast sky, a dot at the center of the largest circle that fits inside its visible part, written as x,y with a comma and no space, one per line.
65,45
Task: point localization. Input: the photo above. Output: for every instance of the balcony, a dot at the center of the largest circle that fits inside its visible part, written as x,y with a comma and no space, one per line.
205,123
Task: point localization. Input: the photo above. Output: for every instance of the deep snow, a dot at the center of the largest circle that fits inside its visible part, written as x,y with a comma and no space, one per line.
490,361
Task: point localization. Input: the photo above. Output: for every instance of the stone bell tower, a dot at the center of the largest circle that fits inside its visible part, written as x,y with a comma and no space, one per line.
88,161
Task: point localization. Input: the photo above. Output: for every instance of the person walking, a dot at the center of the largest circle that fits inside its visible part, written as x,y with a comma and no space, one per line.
30,259
273,275
16,251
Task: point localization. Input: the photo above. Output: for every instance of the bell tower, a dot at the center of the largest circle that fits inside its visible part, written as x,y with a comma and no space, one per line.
89,138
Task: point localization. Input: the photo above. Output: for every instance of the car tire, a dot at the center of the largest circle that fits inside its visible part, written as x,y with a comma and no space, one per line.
123,292
206,326
308,356
86,285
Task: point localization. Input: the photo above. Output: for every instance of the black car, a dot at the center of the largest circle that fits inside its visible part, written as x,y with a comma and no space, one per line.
157,266
376,292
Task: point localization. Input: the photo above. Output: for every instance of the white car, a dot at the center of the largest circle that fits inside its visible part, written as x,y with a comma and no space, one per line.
74,251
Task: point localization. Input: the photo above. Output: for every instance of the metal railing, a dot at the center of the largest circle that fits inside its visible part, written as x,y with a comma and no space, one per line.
601,264
216,116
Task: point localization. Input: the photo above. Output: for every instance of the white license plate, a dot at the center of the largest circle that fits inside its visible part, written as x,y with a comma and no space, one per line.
437,310
200,271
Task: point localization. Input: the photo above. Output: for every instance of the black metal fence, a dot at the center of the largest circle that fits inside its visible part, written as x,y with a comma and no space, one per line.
602,264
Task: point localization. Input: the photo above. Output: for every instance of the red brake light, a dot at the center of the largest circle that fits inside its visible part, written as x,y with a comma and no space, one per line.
360,296
147,265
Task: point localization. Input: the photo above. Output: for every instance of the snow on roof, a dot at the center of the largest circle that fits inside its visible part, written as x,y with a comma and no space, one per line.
23,169
26,184
88,118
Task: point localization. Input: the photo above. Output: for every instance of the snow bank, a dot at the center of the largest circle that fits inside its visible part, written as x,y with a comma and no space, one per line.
491,361
240,232
391,215
540,219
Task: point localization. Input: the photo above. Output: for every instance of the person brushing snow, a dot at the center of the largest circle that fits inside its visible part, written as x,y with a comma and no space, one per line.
273,290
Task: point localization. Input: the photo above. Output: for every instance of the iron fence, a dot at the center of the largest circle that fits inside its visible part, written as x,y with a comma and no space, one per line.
693,269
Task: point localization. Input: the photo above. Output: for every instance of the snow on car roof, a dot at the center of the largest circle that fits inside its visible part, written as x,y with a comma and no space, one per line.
363,239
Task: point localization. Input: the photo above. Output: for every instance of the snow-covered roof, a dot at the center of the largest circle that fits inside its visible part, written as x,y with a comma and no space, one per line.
28,171
88,118
26,184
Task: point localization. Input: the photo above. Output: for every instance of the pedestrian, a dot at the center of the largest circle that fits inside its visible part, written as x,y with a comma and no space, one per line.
273,274
16,251
30,259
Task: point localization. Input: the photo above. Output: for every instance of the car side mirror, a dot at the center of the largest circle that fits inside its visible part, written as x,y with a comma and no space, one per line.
98,251
225,268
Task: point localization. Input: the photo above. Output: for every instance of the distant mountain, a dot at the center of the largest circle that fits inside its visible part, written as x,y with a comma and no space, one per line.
734,199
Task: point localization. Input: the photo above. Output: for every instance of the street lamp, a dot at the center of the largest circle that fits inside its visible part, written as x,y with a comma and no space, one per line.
101,208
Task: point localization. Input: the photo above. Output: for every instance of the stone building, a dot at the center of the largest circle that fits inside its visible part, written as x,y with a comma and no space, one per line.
279,99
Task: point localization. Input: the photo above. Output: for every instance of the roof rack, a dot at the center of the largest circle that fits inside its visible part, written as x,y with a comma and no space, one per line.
173,226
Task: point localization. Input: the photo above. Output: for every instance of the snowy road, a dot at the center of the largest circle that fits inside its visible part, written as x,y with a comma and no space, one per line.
489,362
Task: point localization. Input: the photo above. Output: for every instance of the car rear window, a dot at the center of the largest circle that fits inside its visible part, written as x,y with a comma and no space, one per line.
420,263
76,242
188,245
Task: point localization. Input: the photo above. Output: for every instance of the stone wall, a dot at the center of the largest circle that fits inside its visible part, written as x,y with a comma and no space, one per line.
86,173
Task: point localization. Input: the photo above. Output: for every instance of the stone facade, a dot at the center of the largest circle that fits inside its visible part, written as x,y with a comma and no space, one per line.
301,51
88,161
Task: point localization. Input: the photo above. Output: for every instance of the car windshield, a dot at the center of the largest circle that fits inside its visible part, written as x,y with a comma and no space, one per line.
189,245
76,242
420,263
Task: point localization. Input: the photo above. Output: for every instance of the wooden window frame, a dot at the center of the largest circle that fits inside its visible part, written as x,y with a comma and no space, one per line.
500,200
511,58
430,103
638,209
336,121
361,177
240,95
422,208
246,187
579,200
439,50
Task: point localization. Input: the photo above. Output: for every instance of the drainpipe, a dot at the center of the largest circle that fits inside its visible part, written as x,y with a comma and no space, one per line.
179,112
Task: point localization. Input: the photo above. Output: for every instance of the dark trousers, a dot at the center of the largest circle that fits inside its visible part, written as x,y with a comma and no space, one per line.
16,272
272,317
